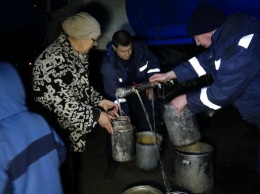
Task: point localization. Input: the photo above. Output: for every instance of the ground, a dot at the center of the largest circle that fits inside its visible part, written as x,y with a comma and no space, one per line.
235,149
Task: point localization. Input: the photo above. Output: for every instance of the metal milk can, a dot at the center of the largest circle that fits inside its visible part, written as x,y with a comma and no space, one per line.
122,139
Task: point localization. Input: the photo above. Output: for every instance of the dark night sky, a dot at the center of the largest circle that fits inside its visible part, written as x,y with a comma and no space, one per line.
22,30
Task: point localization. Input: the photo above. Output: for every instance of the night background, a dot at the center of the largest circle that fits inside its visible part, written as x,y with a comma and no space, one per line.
24,35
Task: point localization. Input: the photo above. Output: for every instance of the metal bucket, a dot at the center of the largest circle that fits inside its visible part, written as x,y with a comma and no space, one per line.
182,131
194,168
142,190
146,151
122,139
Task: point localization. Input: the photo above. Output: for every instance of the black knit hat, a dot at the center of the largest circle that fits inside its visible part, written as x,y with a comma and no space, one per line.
204,19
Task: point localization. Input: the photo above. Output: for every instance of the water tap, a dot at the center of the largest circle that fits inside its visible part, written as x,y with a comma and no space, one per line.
124,91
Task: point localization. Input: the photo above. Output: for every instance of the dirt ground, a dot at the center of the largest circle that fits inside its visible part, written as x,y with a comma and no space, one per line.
235,148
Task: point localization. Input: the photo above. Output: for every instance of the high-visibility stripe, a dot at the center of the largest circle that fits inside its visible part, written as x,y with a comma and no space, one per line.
204,99
245,41
143,67
154,70
36,150
217,64
197,67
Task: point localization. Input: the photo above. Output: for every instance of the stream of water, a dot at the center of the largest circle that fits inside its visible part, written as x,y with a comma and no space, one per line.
153,131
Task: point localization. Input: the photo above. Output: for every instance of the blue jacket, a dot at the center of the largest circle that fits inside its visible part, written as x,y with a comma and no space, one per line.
233,59
30,151
114,71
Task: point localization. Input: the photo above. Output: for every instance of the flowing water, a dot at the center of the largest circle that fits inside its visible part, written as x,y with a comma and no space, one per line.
118,102
165,179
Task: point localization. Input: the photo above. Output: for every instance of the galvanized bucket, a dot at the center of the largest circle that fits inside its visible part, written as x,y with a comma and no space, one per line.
142,190
146,151
182,131
193,166
122,139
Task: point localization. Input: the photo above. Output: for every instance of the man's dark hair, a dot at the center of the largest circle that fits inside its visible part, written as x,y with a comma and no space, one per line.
122,38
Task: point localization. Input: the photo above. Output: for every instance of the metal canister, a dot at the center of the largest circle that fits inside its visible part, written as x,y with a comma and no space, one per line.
193,167
182,131
145,189
122,139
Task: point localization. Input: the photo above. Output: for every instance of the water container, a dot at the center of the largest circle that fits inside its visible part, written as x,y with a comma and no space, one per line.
122,139
146,153
182,131
145,189
193,167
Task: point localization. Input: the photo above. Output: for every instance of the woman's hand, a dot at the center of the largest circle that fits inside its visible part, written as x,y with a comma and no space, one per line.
105,121
110,107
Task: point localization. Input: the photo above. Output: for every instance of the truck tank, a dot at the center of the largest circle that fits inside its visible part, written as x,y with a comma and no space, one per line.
163,22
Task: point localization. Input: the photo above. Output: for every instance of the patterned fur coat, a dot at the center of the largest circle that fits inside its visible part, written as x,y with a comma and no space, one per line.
61,84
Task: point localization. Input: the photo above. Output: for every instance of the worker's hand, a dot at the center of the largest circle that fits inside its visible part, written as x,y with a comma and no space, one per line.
110,107
179,103
149,93
105,121
162,77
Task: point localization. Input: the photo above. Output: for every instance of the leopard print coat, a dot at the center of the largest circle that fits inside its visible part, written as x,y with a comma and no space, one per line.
61,84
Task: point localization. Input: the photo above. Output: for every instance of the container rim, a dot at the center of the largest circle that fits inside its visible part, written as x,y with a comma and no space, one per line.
149,188
198,148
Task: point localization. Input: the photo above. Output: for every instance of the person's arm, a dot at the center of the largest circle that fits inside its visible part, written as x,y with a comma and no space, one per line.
192,68
4,179
61,149
234,74
55,87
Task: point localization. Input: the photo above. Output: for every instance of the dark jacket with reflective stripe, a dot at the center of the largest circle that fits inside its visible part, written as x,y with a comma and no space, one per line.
30,151
114,71
233,59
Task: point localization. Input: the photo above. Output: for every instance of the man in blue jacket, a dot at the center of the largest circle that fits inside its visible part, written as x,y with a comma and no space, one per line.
126,63
232,58
30,151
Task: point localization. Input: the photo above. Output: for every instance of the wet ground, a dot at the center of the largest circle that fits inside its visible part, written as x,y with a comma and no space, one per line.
235,148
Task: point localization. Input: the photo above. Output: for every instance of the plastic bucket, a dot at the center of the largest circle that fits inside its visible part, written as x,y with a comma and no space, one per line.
193,166
142,190
146,151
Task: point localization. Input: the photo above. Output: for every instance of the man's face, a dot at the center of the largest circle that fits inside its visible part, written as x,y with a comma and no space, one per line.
124,52
203,39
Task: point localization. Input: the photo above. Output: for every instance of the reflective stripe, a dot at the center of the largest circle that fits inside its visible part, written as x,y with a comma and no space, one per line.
204,99
197,67
245,41
144,67
154,70
121,100
36,150
120,79
217,64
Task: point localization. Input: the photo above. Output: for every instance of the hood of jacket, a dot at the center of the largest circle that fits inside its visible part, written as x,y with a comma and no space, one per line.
12,93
